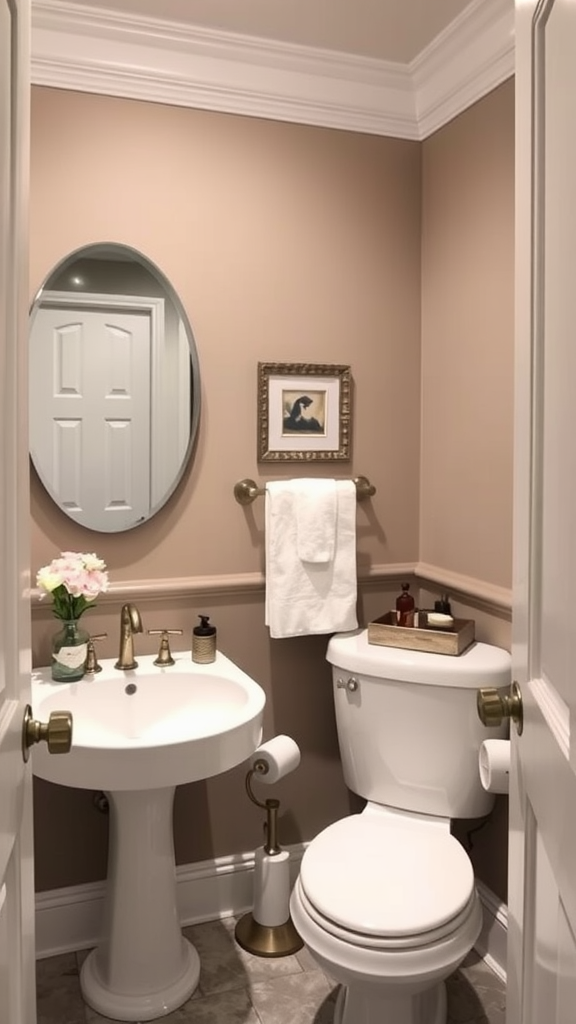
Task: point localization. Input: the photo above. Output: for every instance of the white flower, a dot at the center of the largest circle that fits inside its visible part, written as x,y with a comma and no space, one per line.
48,579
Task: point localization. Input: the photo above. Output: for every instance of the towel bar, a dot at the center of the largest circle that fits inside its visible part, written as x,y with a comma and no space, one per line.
246,491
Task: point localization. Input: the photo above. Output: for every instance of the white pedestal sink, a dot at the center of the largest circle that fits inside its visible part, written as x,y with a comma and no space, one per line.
137,735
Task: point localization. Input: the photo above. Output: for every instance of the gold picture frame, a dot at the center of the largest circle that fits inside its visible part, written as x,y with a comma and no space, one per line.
304,412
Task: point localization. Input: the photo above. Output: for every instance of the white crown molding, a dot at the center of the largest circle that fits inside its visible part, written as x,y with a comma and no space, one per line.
473,55
98,51
142,58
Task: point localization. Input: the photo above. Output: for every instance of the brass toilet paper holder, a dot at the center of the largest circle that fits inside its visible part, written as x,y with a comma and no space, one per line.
275,940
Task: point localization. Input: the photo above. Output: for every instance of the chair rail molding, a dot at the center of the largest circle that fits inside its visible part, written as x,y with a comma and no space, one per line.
94,50
495,599
207,586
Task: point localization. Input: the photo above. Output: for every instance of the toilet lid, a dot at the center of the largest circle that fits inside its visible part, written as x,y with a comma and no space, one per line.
385,879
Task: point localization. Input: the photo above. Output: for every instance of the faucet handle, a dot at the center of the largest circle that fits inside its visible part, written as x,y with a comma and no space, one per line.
164,655
91,659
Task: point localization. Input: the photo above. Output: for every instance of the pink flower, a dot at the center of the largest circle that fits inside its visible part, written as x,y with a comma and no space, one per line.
74,580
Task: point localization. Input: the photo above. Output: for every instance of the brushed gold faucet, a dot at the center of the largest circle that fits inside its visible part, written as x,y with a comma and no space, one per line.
130,623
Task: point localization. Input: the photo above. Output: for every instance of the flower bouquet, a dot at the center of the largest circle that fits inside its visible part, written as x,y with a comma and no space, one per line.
74,580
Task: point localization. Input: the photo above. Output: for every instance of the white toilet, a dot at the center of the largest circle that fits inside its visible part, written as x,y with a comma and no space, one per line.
385,900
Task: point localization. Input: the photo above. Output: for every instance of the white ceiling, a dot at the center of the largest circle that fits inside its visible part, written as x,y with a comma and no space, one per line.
390,30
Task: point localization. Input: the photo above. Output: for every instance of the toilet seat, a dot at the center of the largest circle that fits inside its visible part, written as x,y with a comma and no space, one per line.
387,884
387,943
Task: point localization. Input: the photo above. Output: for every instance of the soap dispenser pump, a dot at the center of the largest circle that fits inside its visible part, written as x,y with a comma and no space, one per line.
204,641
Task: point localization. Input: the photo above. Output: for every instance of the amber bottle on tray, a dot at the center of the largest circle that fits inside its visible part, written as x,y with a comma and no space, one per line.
405,607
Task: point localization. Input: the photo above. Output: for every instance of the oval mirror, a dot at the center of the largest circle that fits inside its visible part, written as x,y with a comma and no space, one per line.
114,387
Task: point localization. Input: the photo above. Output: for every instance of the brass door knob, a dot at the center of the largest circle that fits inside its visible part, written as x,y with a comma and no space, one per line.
56,732
496,705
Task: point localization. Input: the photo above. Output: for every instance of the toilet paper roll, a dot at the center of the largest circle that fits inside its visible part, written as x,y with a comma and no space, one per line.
271,888
494,764
276,758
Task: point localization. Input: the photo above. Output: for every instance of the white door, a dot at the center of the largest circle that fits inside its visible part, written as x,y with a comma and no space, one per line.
17,992
90,412
542,875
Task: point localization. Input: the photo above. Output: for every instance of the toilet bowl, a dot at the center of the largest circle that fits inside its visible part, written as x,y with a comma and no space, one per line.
401,922
385,900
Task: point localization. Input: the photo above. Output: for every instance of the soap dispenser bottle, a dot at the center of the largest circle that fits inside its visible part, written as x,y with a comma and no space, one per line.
405,607
204,641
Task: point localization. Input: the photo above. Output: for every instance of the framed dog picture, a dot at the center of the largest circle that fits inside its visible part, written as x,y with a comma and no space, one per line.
304,412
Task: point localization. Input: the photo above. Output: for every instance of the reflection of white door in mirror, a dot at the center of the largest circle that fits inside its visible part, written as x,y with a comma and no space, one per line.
91,425
113,464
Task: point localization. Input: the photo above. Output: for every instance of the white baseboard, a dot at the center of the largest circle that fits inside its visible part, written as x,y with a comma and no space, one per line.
494,935
69,919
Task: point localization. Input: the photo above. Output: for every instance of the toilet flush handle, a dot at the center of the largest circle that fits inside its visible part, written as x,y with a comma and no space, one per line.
350,684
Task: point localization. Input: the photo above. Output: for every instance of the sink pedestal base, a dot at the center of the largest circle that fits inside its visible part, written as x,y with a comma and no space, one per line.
143,968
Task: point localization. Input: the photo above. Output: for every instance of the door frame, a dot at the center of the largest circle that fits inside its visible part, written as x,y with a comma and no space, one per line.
17,935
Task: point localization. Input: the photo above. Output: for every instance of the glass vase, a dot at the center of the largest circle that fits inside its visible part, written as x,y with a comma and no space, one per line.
69,652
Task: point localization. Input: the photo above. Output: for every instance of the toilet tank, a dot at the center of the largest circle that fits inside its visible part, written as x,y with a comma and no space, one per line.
409,732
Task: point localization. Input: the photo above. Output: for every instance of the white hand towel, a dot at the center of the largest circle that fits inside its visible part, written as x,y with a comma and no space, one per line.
315,509
305,598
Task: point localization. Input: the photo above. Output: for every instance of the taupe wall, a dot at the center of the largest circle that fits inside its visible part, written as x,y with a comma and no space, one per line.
467,342
285,243
467,379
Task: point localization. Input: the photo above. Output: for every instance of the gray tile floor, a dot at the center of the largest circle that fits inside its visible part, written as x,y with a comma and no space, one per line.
237,988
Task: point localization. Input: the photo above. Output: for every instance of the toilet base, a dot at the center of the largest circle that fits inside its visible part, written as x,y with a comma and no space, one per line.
387,985
363,1007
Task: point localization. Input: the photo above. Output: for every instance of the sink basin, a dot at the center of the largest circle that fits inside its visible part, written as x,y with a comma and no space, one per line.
137,735
152,726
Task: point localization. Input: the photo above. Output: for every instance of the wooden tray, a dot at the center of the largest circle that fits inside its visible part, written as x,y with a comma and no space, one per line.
384,633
